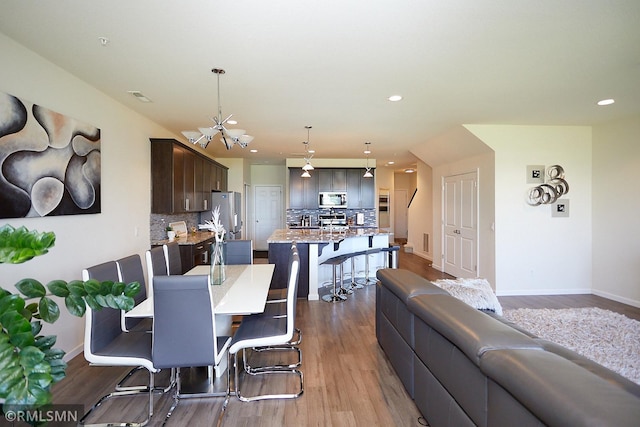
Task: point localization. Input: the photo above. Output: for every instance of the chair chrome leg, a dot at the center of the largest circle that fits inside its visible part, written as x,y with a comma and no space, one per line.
253,370
148,390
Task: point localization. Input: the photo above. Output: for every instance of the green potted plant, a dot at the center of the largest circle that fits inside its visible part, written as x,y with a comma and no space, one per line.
29,364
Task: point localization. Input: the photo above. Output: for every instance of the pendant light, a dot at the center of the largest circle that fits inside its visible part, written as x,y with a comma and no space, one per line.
204,135
367,151
308,155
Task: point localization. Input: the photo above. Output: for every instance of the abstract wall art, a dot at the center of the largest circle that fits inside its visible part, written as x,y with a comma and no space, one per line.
49,163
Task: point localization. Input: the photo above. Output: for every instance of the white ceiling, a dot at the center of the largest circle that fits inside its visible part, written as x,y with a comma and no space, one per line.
332,64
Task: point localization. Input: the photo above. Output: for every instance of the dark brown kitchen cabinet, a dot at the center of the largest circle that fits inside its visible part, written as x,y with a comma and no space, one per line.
181,178
196,254
303,192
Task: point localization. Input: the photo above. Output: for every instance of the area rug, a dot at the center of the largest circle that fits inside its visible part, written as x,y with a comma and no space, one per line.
475,292
608,338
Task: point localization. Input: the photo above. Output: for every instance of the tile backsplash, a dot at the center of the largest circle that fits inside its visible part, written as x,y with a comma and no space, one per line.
160,221
293,215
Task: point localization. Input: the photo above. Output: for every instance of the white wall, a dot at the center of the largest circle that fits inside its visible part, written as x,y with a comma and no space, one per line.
616,229
84,240
421,211
535,253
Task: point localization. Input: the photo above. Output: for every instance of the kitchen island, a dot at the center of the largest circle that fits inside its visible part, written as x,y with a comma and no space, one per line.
316,246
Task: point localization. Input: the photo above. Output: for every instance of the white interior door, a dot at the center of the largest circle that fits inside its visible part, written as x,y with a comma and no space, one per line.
460,213
400,214
267,214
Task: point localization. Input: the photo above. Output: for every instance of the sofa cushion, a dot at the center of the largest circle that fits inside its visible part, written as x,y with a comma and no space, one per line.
406,284
559,391
471,330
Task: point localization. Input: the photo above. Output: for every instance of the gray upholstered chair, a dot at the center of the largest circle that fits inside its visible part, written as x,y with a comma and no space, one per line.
130,270
156,265
106,344
238,252
172,257
184,329
263,330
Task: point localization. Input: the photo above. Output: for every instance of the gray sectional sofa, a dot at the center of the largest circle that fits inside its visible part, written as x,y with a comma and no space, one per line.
466,367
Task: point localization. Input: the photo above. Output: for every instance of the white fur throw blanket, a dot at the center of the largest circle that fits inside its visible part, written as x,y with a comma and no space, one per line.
475,292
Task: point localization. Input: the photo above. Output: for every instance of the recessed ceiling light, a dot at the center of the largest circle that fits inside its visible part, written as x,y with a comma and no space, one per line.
253,150
409,170
606,102
391,163
139,95
232,122
395,98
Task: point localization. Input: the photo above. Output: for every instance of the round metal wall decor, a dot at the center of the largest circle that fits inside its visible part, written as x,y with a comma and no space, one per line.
547,193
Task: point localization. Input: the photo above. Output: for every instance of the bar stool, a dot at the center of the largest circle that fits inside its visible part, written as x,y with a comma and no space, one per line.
390,252
354,282
367,280
336,262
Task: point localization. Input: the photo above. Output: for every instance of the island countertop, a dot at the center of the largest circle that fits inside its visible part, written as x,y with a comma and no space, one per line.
320,236
187,238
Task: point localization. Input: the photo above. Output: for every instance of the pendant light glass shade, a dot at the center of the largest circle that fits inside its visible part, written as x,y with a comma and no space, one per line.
307,167
306,174
368,174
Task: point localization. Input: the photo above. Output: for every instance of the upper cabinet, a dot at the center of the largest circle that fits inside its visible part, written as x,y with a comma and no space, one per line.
361,192
332,179
181,179
303,192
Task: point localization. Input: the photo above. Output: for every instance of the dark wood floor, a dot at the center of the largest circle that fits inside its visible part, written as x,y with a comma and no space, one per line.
348,380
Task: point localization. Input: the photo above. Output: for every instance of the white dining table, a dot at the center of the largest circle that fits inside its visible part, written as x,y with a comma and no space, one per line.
244,290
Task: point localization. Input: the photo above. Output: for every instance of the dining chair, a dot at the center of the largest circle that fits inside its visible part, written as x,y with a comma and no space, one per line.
106,344
156,265
184,329
130,270
171,252
238,252
262,330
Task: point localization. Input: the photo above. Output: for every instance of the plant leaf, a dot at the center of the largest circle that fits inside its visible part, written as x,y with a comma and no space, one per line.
36,327
117,288
77,287
124,302
49,310
75,304
58,288
20,245
31,288
45,342
132,289
11,302
91,302
92,287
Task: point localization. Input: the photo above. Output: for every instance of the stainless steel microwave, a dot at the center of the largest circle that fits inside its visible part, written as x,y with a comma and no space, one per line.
332,199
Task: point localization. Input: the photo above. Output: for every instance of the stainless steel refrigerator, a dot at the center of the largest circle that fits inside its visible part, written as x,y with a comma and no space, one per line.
230,203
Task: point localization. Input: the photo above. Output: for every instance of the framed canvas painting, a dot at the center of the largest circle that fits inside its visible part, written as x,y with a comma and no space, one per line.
49,163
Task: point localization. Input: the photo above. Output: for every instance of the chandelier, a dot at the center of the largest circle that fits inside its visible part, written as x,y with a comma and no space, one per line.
308,155
204,135
367,151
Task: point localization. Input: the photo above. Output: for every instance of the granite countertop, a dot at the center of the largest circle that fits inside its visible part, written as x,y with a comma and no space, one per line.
187,239
320,236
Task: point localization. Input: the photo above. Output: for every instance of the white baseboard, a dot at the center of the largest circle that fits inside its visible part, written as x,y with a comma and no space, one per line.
617,298
73,353
525,292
